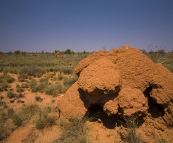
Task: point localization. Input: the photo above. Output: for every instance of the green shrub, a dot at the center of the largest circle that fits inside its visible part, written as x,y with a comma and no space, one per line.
10,112
54,89
2,103
39,124
9,78
44,121
22,78
3,84
17,86
75,130
20,95
20,90
131,136
66,70
51,90
17,120
31,71
4,133
11,94
38,98
1,97
43,84
34,85
25,85
60,77
30,110
69,81
5,71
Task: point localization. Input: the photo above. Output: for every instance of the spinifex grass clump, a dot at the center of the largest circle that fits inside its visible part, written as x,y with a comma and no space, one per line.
4,81
69,81
44,121
38,98
66,70
45,118
11,94
131,137
25,114
8,78
19,88
75,130
3,85
31,71
4,132
55,89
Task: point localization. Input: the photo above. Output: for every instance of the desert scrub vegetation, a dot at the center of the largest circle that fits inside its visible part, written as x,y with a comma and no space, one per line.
38,98
39,64
2,103
35,71
54,89
44,120
131,136
4,131
11,94
42,117
69,81
75,130
25,114
5,79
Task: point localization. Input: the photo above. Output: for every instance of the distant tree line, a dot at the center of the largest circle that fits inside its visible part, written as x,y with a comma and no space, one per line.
18,52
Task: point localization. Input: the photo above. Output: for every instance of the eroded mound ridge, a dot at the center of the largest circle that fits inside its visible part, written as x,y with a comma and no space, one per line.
123,81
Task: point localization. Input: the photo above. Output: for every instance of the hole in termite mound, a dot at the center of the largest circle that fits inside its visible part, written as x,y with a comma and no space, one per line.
155,109
96,113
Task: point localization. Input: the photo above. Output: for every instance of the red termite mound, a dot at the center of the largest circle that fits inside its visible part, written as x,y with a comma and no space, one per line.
123,81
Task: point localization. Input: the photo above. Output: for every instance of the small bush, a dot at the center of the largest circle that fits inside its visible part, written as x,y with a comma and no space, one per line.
43,84
67,70
1,97
34,85
22,78
20,90
44,121
5,71
51,90
4,133
17,120
69,81
17,86
3,84
131,136
39,124
31,71
11,94
25,85
54,89
30,110
20,95
9,78
60,77
2,103
10,112
38,98
75,130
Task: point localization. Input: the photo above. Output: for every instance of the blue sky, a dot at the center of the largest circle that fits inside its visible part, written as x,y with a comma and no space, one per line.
91,25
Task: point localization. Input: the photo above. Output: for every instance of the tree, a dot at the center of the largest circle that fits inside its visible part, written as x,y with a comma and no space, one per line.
1,53
68,51
17,52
